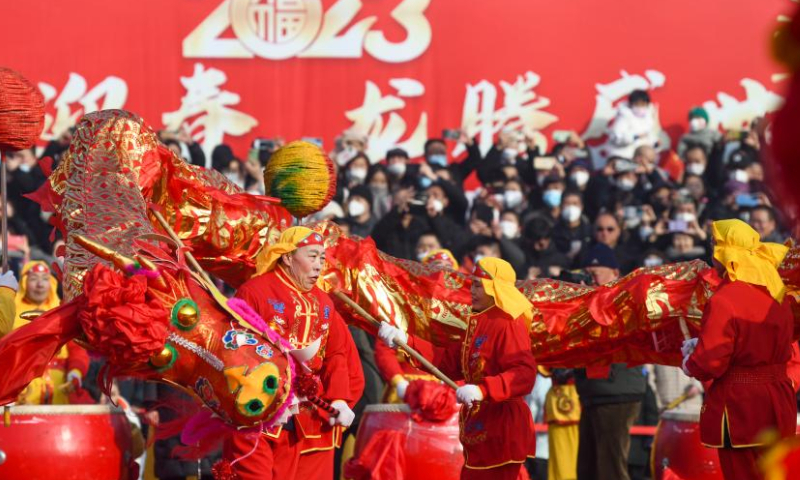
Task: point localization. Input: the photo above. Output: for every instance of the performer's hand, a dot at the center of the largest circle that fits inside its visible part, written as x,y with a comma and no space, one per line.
469,394
388,334
692,391
9,280
345,417
688,346
400,388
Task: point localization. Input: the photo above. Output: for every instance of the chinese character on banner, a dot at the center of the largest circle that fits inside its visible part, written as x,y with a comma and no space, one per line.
205,110
609,97
113,91
522,110
733,114
368,119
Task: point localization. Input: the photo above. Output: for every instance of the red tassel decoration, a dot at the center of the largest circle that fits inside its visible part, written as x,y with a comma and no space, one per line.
222,470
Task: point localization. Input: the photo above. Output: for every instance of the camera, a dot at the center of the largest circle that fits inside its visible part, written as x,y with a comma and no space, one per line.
579,276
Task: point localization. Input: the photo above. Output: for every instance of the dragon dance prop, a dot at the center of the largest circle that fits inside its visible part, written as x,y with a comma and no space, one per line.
132,298
115,170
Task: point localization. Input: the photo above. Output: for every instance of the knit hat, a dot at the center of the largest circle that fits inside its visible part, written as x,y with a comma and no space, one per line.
699,112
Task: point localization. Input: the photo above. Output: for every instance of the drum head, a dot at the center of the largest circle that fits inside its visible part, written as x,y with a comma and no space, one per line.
65,410
692,415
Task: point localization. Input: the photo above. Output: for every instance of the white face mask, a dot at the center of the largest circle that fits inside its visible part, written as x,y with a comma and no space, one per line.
356,208
696,124
421,255
509,228
345,156
740,176
478,257
580,177
510,153
397,169
25,168
357,174
626,184
695,168
438,206
571,213
512,198
687,217
640,112
653,262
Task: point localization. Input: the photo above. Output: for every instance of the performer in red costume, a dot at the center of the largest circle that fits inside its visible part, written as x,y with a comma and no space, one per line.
285,294
496,362
743,349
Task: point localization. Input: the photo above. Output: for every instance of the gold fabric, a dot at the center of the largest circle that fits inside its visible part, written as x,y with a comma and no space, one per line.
739,249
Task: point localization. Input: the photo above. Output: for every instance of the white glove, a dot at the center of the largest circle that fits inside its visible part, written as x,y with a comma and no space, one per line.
345,417
9,280
388,334
683,366
469,394
400,388
688,346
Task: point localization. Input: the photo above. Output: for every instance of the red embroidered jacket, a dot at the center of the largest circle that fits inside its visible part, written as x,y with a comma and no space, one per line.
302,317
495,355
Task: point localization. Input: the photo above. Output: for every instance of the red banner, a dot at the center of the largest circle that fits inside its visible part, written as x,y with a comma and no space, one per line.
398,71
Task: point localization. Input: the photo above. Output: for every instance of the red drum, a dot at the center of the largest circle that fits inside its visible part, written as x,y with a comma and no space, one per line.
677,446
65,442
421,449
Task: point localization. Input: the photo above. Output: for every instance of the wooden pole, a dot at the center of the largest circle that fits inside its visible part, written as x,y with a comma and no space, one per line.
401,343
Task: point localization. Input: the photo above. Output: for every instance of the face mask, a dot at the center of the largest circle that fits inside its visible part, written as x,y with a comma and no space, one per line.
421,255
695,168
653,262
438,206
626,184
510,153
552,198
571,213
740,176
687,217
425,182
356,208
345,156
640,112
438,159
509,229
379,190
645,231
357,174
478,257
512,198
397,169
580,178
24,168
697,124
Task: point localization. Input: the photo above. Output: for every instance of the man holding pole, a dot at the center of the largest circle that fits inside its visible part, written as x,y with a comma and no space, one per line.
743,349
285,295
496,362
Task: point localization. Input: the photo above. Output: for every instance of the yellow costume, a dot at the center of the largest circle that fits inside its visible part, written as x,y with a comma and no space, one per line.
49,388
7,310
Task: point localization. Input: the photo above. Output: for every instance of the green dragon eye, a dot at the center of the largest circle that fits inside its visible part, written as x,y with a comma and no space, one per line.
270,384
255,407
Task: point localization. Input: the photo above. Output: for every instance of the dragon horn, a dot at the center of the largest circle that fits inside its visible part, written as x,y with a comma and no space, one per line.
119,260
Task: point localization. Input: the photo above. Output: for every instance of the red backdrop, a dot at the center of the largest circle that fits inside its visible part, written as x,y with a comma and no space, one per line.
702,50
